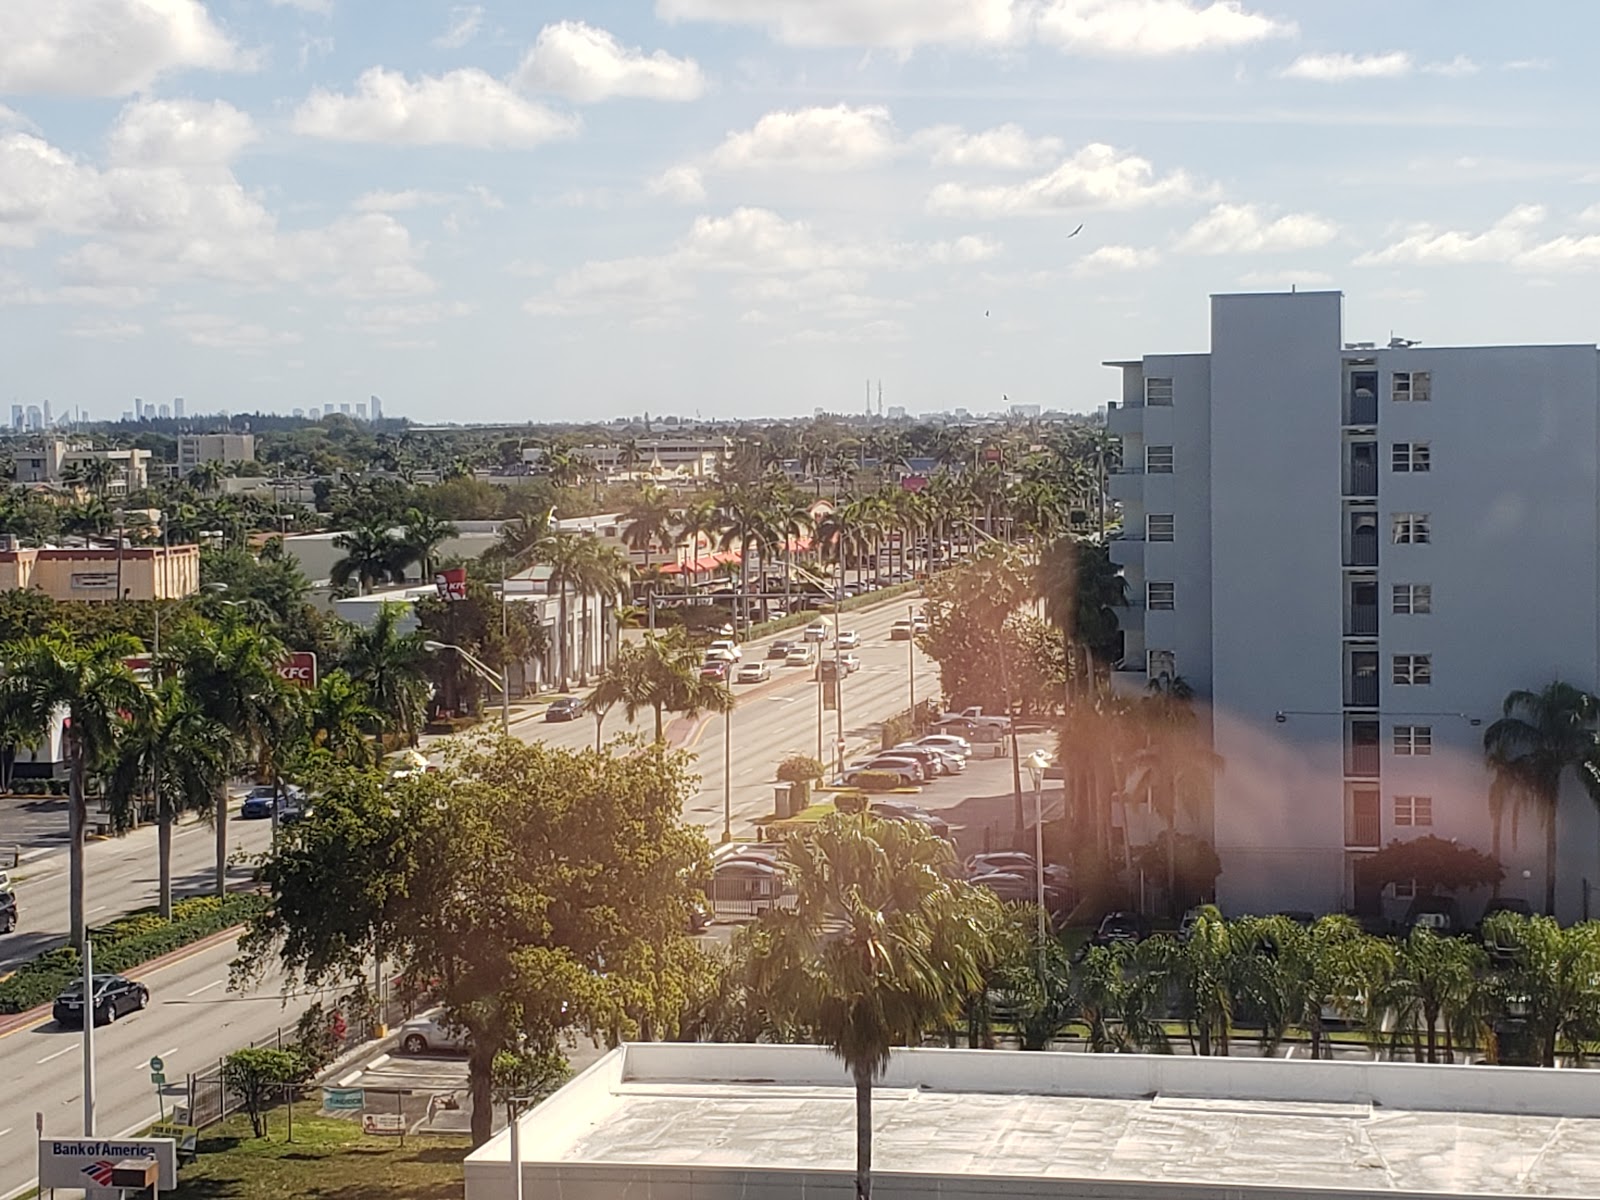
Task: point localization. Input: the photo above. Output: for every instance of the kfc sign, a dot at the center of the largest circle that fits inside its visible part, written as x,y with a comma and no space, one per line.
299,668
452,584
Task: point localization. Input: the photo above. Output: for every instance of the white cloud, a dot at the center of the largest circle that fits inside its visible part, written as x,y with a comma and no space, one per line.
1504,241
107,330
1336,68
402,201
485,196
586,64
174,133
388,320
1241,229
812,139
1278,279
681,184
1564,253
465,21
321,7
870,331
218,331
465,108
1153,27
1096,177
971,248
895,24
1005,147
106,47
1109,260
10,118
1458,67
1590,215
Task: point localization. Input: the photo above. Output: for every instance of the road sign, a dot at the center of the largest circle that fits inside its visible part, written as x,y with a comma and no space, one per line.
158,1078
187,1136
156,1064
383,1124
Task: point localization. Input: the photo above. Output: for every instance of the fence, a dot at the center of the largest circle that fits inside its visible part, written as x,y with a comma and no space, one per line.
209,1097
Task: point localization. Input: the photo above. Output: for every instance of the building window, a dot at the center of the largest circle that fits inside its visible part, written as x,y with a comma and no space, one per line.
1411,386
1162,663
1413,810
1413,599
1158,460
1413,670
1158,527
1413,741
1158,392
1405,890
1162,597
1411,529
1412,458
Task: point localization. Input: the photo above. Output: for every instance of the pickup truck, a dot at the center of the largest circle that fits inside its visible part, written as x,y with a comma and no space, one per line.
975,716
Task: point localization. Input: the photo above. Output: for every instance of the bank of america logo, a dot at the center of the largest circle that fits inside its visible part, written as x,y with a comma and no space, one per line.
100,1172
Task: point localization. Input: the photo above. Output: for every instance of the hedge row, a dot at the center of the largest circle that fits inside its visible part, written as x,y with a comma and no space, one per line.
806,616
125,944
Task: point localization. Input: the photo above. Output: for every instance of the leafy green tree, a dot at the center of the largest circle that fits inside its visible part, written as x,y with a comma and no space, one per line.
647,522
258,1075
881,946
337,717
421,536
1539,738
92,683
1435,980
661,673
1435,864
527,1075
1550,981
543,890
230,669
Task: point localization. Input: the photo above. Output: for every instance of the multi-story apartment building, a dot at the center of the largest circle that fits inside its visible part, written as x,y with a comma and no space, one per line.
1353,553
197,448
692,457
54,460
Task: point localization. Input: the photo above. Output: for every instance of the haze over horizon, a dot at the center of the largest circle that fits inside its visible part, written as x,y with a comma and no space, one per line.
493,212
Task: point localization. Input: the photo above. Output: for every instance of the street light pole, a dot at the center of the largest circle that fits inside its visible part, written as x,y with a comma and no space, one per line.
911,666
1036,765
88,1036
727,775
484,671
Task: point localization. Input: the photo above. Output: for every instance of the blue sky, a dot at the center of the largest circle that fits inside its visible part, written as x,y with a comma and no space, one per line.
752,207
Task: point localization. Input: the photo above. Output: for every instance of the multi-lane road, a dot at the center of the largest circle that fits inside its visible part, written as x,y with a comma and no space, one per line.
194,1019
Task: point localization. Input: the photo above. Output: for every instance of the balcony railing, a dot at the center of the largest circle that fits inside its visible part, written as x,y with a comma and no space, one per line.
1362,827
1362,480
1363,549
1361,410
1361,691
1361,620
1361,760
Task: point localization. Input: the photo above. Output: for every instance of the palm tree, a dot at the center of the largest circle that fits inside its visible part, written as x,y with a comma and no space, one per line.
791,522
230,669
371,555
421,536
648,520
661,673
205,477
97,474
173,754
564,554
337,718
1434,981
700,520
1540,736
1173,767
880,947
746,522
391,665
93,684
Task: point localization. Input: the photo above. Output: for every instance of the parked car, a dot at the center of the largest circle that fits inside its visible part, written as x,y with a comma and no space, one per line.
976,717
780,648
753,672
1121,927
850,662
948,742
818,631
800,656
427,1035
1022,889
258,803
564,708
726,646
909,769
1014,862
900,631
947,762
933,763
715,668
114,996
1439,913
849,639
902,810
919,624
8,911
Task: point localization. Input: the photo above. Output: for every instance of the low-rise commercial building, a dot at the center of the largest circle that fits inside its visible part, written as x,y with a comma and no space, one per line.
660,1121
103,573
222,448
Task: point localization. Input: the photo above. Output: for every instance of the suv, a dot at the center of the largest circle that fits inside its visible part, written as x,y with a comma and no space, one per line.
1121,927
564,708
909,769
780,648
8,911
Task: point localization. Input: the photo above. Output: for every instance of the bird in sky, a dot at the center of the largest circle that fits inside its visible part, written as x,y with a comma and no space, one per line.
1076,232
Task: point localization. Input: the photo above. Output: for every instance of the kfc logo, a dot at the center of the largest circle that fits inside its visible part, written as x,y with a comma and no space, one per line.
299,668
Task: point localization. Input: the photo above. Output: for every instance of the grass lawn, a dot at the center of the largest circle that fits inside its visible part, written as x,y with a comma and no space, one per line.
328,1158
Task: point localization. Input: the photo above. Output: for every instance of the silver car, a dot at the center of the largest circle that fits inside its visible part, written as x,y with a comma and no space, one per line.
427,1035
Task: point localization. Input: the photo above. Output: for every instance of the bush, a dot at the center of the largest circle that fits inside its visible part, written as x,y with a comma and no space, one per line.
850,802
125,944
896,729
878,781
799,768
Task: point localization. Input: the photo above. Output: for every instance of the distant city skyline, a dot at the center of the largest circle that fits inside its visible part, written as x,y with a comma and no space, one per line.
503,212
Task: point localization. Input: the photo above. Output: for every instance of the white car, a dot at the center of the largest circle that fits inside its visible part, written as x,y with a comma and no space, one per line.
799,656
949,743
849,639
753,672
909,769
713,654
900,631
425,1035
818,631
850,662
728,647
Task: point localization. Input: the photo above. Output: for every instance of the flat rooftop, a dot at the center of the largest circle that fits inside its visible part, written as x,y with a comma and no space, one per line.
670,1120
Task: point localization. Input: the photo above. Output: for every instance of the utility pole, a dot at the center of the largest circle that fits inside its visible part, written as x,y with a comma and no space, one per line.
727,776
88,1035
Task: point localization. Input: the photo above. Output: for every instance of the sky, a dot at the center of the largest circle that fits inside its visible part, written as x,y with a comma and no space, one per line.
743,208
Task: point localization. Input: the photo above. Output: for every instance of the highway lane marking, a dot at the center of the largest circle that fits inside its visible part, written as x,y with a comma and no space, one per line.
57,1054
6,1130
144,1063
207,988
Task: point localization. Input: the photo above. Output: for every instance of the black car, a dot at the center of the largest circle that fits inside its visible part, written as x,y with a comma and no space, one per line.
258,804
564,708
8,911
1121,927
780,648
114,995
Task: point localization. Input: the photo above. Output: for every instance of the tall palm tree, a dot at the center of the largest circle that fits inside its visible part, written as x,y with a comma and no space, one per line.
421,536
1173,766
699,521
93,684
791,524
564,553
230,668
372,555
1539,738
337,717
746,522
661,673
205,477
648,520
391,665
172,754
602,576
881,946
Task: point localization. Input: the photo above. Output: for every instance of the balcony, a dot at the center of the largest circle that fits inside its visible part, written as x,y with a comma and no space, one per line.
1361,690
1361,760
1362,549
1363,827
1361,399
1125,484
1127,551
1122,419
1361,620
1361,479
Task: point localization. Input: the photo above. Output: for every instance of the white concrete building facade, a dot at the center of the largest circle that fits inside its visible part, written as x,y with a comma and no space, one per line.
1353,553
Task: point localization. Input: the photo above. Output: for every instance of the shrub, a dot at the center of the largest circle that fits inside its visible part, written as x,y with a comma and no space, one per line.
799,768
878,781
896,729
850,802
125,944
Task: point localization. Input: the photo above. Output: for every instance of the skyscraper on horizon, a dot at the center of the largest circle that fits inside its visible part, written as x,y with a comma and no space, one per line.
375,407
16,416
177,407
165,411
47,422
